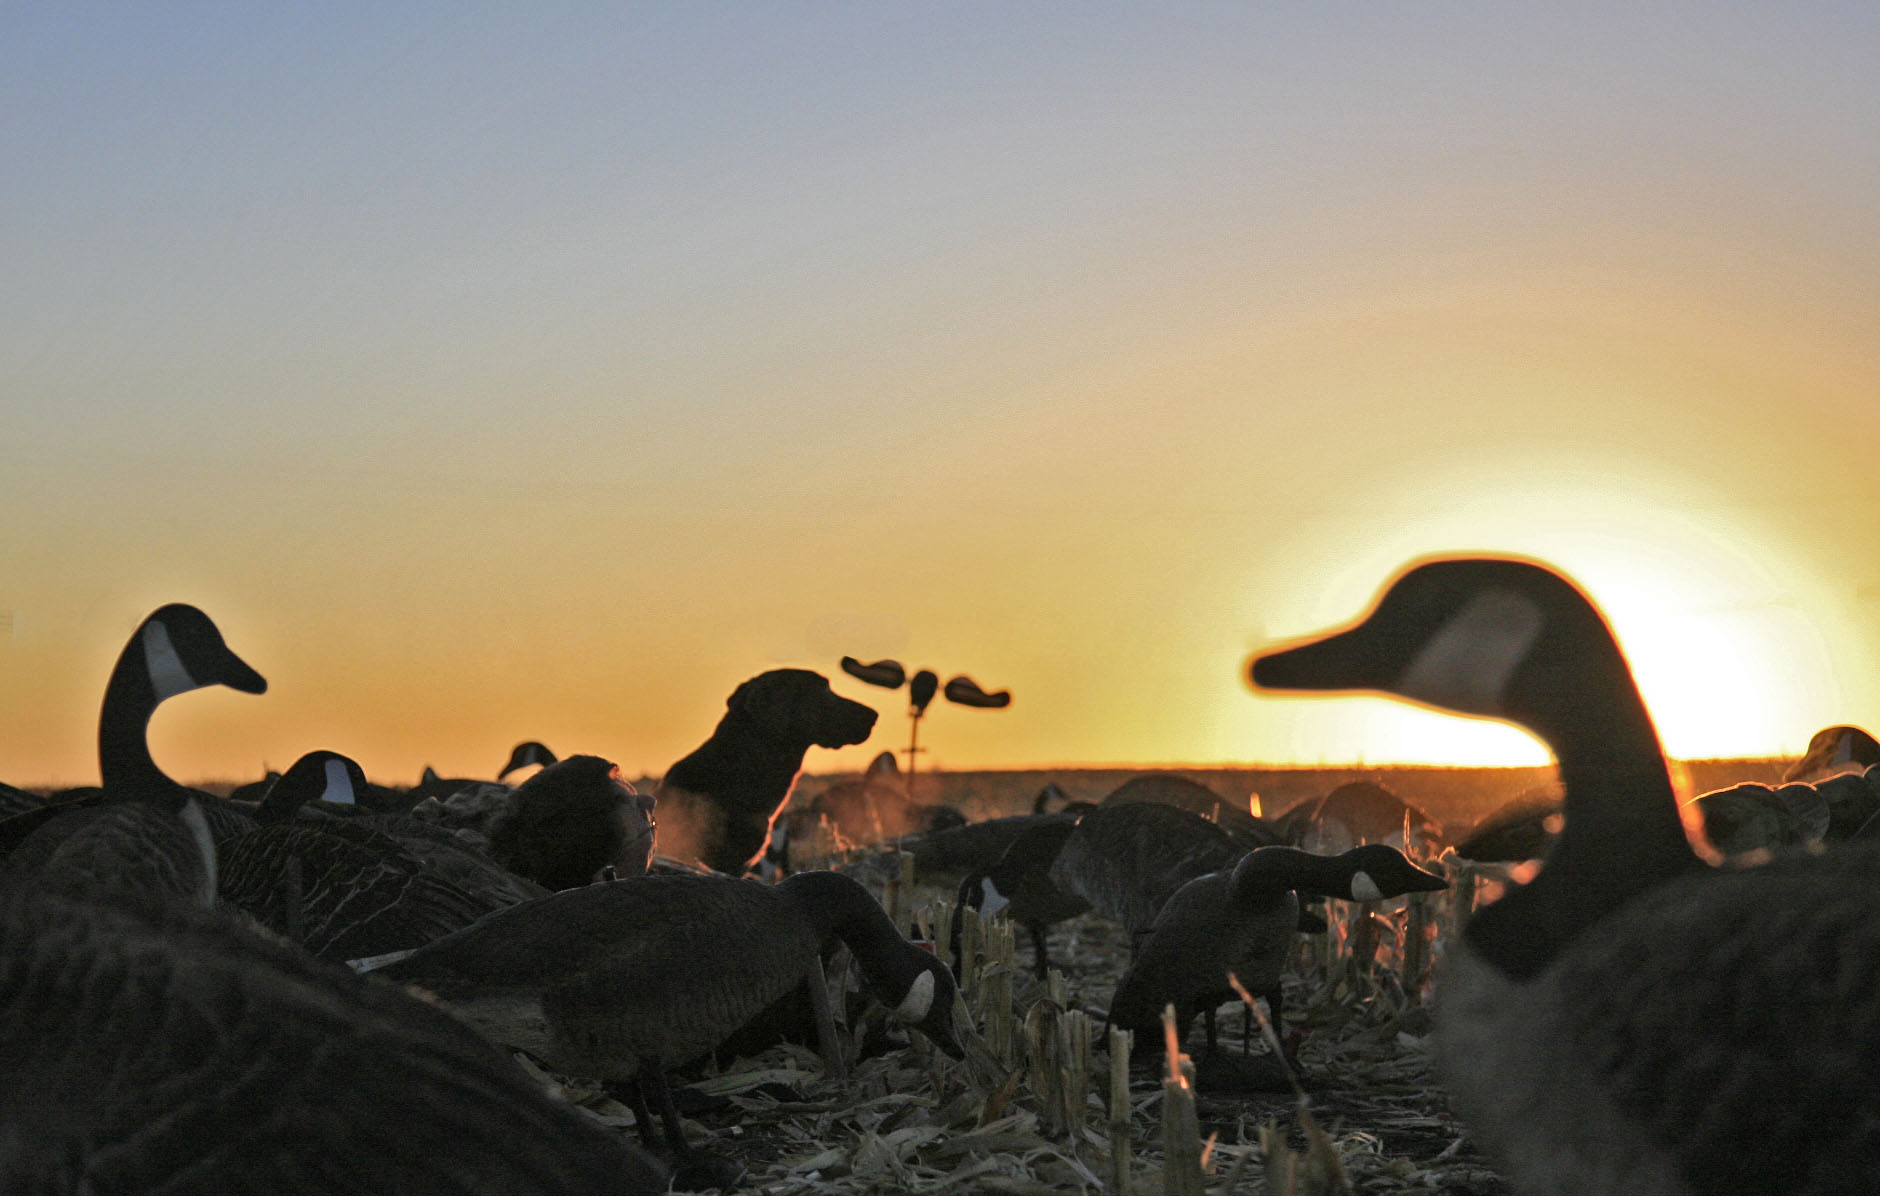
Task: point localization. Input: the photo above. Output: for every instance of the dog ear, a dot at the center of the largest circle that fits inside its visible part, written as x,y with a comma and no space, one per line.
770,701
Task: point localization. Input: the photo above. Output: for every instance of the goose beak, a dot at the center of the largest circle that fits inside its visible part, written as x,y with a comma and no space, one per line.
236,674
1343,660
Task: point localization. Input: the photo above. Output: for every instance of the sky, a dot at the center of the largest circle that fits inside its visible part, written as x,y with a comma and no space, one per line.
492,374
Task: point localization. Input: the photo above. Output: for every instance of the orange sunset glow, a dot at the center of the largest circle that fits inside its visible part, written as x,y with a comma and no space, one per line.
489,377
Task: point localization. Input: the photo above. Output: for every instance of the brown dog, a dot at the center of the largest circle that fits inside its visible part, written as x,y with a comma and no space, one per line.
717,804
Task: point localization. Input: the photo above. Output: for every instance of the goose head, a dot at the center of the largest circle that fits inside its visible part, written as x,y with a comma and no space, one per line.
1378,870
318,776
919,991
1498,638
1512,639
176,649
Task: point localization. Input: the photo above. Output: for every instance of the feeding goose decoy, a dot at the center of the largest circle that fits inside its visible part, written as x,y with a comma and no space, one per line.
1835,750
624,980
166,1048
1127,860
1631,1020
1018,884
717,804
1243,921
573,819
142,833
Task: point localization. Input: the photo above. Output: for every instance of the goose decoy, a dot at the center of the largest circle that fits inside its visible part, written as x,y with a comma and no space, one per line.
348,887
1354,813
1018,884
345,890
142,834
869,809
624,980
324,782
1125,861
527,754
166,1048
1244,921
1834,750
572,819
1631,1020
717,804
1520,829
1167,789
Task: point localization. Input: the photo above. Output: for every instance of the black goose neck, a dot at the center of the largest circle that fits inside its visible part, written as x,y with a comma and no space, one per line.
124,761
1270,871
1622,835
840,908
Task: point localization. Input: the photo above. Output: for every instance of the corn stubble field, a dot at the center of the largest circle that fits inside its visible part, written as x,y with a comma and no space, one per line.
1042,1109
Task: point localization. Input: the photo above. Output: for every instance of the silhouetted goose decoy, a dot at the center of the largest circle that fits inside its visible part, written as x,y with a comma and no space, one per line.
572,819
346,890
1019,886
1631,1020
143,833
171,1049
1834,750
1520,829
716,805
1167,789
1354,813
527,754
1127,860
1244,921
625,979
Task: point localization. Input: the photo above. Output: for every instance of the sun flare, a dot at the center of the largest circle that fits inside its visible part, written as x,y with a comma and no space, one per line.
1730,641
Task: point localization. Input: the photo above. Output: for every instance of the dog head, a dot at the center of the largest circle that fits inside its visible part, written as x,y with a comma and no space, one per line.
796,706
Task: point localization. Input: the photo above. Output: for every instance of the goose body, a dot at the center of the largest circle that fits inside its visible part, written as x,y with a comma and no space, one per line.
1632,1020
171,1050
1243,921
616,978
623,980
1357,812
346,890
1019,885
1126,861
1167,789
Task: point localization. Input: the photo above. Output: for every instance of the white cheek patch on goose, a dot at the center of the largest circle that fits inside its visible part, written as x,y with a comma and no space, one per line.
1363,888
205,845
993,900
168,677
1467,664
913,1007
339,786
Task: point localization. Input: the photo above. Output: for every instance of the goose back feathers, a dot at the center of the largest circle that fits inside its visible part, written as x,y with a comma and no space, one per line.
172,1050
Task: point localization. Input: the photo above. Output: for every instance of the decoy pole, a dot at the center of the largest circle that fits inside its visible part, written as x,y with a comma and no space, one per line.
960,690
